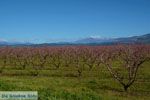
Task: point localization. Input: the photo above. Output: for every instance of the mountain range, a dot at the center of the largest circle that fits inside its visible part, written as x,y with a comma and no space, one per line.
143,39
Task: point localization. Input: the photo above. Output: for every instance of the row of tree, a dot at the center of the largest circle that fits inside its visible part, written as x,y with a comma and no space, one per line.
122,61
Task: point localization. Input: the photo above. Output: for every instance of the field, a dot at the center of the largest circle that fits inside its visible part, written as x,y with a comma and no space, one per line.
65,80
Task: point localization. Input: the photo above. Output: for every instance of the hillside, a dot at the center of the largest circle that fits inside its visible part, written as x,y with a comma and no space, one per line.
143,39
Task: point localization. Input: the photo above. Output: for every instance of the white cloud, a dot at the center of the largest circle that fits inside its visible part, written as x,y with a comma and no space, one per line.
95,36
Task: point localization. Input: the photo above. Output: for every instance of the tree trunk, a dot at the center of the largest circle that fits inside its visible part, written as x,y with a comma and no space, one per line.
126,88
79,73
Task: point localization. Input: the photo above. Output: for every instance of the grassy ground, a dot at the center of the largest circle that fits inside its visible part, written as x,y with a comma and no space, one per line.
65,85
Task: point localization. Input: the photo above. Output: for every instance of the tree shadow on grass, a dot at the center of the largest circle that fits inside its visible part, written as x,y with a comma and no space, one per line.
93,85
104,87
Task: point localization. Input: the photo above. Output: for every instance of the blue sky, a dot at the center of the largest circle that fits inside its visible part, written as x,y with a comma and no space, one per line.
58,20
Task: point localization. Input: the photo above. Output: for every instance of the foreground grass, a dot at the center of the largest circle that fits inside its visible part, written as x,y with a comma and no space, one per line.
65,85
56,88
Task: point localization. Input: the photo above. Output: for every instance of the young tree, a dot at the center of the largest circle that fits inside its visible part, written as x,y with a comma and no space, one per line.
32,58
67,56
79,59
92,55
20,57
55,57
41,56
127,58
4,54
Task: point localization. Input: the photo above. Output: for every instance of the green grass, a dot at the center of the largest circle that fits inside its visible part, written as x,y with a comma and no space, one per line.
65,85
